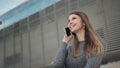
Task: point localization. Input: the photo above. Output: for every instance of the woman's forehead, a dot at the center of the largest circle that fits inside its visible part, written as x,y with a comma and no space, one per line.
72,15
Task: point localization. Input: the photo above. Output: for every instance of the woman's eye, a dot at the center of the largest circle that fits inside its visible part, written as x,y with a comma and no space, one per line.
74,18
68,20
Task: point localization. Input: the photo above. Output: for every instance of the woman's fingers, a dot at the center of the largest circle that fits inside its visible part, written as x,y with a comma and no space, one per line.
67,38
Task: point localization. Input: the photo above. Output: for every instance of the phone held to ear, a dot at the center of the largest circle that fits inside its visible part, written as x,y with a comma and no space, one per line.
67,31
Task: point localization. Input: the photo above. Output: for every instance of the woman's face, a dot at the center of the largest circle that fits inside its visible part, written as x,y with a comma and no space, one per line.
75,23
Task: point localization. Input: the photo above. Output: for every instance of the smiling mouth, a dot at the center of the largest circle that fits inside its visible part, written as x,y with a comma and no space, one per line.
72,26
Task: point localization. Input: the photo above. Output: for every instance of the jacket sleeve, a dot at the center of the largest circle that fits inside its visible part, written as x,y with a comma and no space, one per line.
59,60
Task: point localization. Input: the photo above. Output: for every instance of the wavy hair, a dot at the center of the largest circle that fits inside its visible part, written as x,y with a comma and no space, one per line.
92,43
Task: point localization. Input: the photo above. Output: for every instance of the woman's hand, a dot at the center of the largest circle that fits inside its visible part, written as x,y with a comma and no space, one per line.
66,38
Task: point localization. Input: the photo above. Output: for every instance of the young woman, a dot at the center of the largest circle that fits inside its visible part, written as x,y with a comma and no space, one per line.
86,51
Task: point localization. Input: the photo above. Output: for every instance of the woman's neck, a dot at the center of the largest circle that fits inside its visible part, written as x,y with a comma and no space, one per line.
81,35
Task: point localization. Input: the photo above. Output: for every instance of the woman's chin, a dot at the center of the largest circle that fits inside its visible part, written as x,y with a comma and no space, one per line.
72,31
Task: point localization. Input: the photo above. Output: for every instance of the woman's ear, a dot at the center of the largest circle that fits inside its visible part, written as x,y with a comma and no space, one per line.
83,24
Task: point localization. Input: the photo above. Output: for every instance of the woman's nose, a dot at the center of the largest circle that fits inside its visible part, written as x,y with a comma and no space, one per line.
70,22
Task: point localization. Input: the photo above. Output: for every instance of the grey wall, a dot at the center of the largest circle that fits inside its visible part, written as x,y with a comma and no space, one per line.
33,41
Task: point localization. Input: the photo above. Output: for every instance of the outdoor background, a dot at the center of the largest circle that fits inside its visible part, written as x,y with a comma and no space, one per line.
31,33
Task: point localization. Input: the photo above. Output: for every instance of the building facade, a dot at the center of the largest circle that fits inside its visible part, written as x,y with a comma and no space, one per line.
32,42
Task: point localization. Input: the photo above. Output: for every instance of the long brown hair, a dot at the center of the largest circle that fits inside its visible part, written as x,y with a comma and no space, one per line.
92,42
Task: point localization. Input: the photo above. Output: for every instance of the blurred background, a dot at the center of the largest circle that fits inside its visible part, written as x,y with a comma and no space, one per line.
31,30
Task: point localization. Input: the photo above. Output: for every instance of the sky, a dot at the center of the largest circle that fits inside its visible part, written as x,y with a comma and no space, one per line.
6,5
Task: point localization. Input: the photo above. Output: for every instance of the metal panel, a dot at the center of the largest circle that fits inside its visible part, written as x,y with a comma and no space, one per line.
49,9
36,44
60,4
9,47
84,3
50,40
34,17
73,5
25,43
1,49
62,22
112,13
112,16
17,44
34,24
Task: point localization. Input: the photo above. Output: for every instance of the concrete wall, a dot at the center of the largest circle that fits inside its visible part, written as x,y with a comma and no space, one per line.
33,41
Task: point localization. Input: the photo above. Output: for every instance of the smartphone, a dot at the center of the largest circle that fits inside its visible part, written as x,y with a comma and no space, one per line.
67,31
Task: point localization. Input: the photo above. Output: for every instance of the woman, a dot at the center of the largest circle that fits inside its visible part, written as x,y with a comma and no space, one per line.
86,50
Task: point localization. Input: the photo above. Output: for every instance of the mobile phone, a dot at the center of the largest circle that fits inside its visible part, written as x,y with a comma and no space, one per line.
67,31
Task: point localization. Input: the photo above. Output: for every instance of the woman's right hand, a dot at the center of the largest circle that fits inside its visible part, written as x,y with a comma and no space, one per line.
66,39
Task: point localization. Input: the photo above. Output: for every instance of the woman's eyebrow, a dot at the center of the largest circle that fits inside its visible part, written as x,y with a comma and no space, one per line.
73,17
